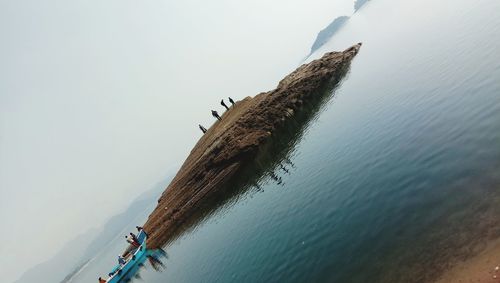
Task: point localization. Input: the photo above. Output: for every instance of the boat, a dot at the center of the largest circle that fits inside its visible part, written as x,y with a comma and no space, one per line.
133,258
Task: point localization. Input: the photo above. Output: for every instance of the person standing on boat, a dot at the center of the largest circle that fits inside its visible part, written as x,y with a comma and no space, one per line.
139,229
121,260
134,238
101,280
131,241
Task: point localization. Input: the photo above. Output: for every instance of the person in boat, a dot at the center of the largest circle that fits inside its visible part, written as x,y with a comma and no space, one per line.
134,237
139,228
231,100
224,104
216,115
131,241
121,260
101,280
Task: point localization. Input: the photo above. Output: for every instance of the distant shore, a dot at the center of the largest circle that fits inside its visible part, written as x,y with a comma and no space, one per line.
232,142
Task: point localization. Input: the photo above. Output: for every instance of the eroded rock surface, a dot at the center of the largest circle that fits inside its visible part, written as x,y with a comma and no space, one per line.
229,144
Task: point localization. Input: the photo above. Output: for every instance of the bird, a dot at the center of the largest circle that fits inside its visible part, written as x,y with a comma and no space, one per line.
231,100
216,115
203,129
224,104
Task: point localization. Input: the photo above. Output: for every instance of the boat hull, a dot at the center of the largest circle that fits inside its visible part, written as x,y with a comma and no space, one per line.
121,271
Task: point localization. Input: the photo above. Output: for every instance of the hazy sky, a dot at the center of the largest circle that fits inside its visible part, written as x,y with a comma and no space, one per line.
99,100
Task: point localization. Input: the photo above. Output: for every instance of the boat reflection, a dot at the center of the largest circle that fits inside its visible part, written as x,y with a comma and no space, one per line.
156,260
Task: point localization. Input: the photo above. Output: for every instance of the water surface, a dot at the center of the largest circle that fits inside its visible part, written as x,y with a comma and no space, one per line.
396,177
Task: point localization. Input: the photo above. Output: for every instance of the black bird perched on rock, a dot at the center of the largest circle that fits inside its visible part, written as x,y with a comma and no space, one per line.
216,115
231,100
203,129
224,104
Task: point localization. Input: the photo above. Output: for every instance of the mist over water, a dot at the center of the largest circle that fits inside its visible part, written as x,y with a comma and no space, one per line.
392,179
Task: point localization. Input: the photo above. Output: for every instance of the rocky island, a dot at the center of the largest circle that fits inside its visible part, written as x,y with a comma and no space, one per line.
223,151
327,33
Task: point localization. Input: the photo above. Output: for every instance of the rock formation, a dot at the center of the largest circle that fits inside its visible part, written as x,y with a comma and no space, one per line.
235,141
327,33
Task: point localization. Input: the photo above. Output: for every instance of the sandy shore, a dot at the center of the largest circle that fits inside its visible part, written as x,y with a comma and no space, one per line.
480,268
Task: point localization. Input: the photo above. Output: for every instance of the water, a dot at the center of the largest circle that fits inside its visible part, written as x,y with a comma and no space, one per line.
394,179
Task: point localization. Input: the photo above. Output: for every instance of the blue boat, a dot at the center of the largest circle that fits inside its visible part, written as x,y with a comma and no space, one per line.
133,258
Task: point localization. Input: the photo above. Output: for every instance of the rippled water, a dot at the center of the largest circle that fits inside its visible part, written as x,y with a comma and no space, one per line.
396,177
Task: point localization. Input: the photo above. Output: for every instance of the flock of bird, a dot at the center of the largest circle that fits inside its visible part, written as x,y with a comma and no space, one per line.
216,115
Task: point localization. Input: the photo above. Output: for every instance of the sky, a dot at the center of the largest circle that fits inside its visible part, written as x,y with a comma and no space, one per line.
100,100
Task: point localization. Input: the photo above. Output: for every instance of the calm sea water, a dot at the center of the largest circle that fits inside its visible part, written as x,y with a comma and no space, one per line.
396,177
